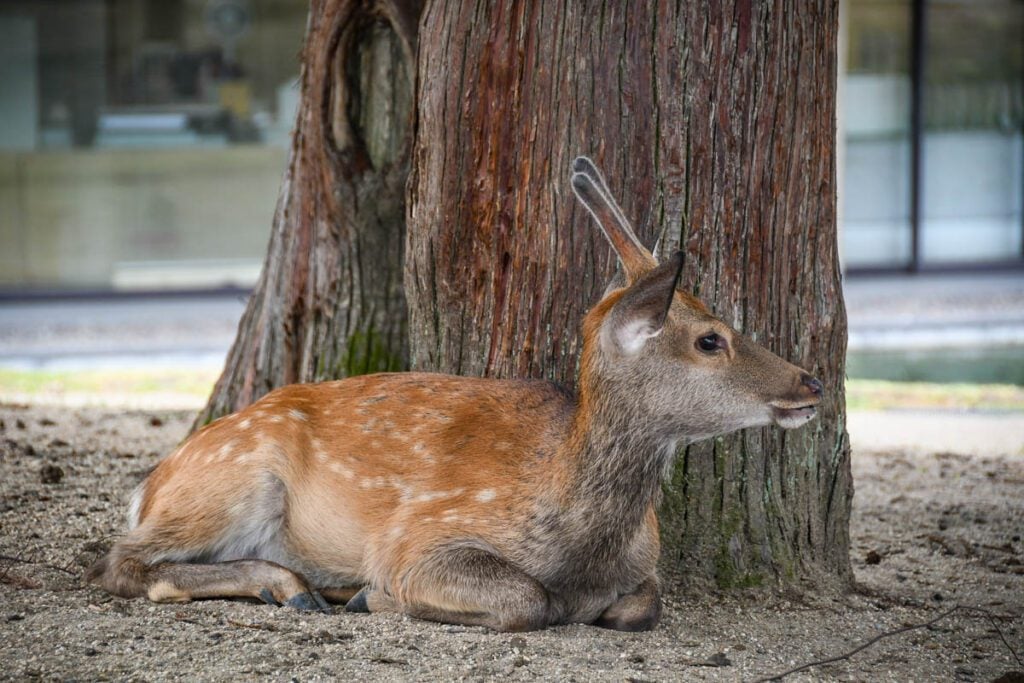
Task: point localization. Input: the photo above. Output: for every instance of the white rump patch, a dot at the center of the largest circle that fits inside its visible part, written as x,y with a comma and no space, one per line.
255,531
135,505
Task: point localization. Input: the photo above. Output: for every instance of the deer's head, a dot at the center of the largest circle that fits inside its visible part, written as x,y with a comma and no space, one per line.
656,352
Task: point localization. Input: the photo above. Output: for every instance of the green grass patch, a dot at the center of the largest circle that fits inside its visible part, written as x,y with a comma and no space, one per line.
99,382
864,394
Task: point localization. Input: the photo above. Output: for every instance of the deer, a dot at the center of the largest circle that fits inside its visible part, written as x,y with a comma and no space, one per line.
509,504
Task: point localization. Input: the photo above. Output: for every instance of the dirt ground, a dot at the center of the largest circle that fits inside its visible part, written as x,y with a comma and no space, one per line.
934,526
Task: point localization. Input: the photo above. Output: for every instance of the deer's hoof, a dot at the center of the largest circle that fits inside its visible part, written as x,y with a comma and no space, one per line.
358,602
268,597
309,602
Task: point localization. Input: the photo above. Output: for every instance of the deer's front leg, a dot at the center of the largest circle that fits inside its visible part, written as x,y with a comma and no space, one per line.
636,611
464,585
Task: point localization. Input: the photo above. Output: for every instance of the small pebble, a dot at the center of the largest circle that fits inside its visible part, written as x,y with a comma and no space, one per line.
719,659
51,474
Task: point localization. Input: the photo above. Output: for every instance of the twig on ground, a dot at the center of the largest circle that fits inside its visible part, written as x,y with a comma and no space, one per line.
97,548
20,560
958,608
995,625
16,580
6,572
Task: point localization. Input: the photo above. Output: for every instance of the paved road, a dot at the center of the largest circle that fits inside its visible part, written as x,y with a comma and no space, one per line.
936,311
951,311
184,331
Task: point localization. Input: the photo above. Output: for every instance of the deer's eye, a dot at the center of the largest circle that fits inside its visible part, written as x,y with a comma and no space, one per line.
710,343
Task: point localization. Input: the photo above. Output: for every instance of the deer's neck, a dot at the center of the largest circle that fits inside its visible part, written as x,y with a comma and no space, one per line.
617,461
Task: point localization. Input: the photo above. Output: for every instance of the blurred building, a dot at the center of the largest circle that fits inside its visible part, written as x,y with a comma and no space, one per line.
142,142
931,116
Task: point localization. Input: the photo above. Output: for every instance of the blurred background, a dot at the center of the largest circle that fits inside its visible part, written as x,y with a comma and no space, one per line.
142,143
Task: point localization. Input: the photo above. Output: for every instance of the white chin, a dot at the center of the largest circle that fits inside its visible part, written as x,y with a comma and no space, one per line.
791,418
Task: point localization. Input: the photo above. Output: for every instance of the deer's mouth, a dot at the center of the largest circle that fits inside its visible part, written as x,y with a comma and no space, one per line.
791,417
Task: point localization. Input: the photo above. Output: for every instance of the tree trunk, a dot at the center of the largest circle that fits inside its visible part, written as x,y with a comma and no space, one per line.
715,123
329,300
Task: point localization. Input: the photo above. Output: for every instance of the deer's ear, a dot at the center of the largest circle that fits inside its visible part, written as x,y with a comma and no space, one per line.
592,190
641,312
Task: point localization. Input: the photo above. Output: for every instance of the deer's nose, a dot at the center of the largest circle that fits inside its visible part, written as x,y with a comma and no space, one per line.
813,384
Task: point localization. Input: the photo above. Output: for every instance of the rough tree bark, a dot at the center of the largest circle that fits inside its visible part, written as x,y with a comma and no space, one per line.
715,122
329,301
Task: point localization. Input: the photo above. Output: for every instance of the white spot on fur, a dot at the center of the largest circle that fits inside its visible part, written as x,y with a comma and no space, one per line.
435,495
338,468
318,450
381,482
245,424
298,414
421,450
486,496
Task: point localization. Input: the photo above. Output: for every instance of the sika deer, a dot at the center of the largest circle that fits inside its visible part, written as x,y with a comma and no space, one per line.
508,503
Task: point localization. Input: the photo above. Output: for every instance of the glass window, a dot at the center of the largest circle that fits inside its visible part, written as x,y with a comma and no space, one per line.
875,121
973,117
143,140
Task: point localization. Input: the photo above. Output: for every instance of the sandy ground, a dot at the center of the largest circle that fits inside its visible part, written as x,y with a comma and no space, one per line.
936,524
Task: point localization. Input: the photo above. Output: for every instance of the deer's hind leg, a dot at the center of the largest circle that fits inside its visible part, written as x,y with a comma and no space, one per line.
464,584
189,547
125,572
